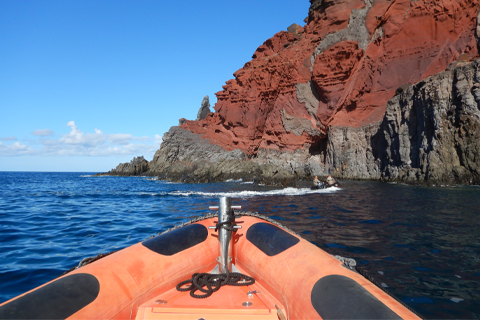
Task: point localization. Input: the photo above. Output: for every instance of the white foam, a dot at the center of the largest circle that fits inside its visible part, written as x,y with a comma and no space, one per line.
87,176
233,180
249,194
154,193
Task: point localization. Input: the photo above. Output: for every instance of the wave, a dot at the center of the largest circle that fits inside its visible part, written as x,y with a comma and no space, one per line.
154,194
249,194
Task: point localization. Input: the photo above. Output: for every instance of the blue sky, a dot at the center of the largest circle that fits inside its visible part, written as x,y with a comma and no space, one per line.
87,84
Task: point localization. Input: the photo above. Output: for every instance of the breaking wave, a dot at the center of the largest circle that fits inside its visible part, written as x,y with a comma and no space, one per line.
250,193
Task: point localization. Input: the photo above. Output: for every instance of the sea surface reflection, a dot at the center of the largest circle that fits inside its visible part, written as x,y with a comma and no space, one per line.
420,244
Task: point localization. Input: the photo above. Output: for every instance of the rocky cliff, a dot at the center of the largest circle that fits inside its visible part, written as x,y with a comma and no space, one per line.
430,132
340,69
366,89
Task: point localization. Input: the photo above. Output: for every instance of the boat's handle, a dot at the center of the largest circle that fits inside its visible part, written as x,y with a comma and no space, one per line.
234,227
232,207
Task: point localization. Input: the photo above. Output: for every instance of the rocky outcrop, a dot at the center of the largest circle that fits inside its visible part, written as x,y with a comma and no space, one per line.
204,109
138,166
382,89
180,145
295,29
187,157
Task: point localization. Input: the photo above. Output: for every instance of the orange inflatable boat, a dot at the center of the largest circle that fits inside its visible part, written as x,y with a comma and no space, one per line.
217,267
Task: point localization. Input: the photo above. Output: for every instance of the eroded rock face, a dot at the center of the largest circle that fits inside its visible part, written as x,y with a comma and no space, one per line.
180,145
360,91
432,131
187,157
351,57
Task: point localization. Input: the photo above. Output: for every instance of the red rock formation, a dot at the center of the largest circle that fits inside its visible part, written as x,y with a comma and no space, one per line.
339,69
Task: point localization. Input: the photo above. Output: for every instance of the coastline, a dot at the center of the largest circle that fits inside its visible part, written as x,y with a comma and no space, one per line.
428,136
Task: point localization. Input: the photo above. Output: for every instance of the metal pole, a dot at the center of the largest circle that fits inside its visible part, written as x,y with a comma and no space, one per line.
225,213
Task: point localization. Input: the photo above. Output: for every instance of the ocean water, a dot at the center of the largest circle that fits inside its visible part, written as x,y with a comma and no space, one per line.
420,244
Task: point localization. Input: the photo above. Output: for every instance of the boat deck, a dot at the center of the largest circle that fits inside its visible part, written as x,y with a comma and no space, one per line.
229,302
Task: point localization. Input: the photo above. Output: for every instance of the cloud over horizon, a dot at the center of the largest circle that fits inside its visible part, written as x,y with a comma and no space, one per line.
79,143
11,138
43,132
15,149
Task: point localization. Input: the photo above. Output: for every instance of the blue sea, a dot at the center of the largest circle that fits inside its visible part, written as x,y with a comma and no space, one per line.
420,243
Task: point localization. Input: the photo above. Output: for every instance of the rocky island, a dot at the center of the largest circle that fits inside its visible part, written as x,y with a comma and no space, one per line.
366,89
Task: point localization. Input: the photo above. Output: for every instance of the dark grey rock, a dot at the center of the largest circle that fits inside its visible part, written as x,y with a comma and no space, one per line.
298,125
294,28
187,157
204,109
430,133
308,94
401,89
137,166
355,31
314,6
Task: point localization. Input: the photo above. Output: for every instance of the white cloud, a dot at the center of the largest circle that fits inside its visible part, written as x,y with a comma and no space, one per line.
144,138
120,138
11,138
43,132
78,143
15,149
158,139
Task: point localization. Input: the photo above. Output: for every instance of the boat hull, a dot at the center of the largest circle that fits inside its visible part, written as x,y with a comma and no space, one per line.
294,280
